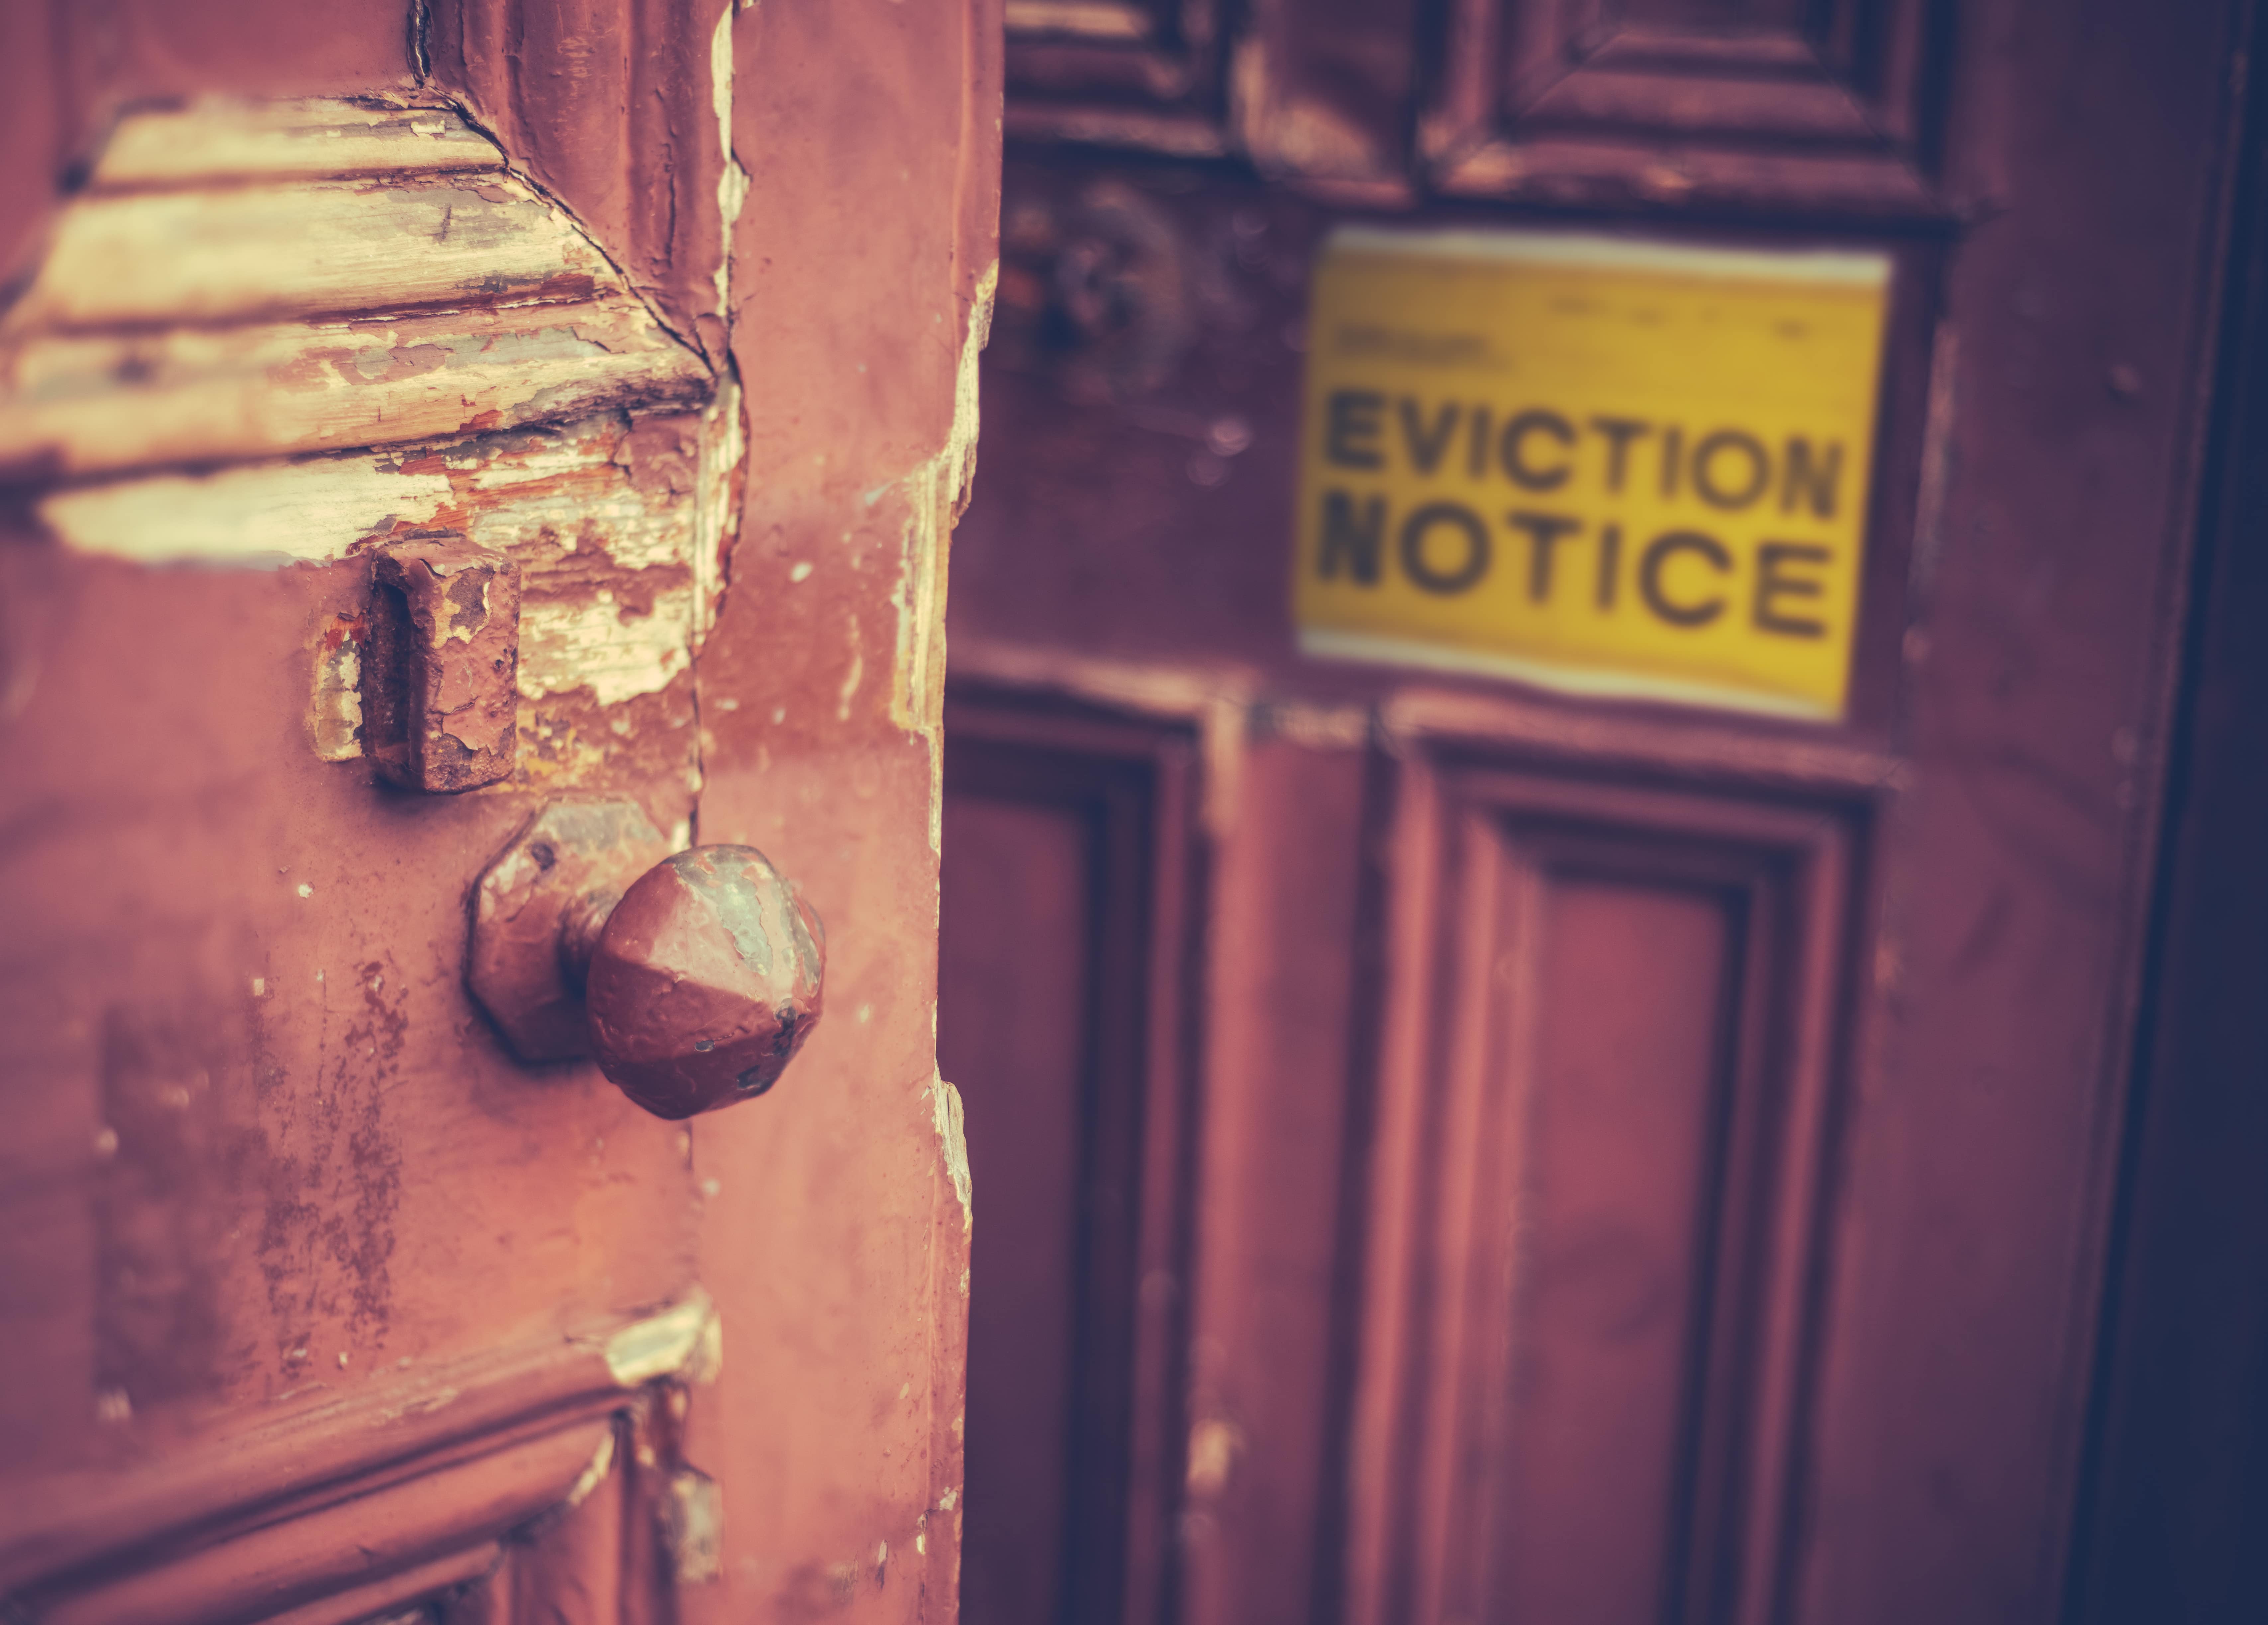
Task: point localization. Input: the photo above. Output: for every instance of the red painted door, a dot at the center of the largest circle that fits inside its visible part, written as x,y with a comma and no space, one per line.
1475,1152
452,450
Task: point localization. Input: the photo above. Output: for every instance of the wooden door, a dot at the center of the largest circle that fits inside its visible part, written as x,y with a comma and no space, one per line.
1562,1158
647,331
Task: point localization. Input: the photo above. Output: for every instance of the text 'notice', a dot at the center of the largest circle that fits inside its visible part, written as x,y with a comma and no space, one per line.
1605,466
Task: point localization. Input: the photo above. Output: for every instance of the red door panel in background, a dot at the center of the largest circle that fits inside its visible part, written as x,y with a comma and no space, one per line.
1624,1162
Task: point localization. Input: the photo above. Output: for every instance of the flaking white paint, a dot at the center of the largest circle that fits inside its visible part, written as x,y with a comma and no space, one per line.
731,180
716,518
223,139
210,314
265,514
592,643
303,248
952,1141
659,1345
936,493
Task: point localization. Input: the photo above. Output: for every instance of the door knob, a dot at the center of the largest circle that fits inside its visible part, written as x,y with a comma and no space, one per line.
692,977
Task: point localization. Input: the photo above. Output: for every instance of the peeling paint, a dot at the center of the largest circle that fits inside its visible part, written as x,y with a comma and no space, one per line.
717,510
602,1462
594,644
276,139
707,1362
953,1142
853,676
692,1526
235,251
263,515
1213,1447
660,1345
936,494
731,180
334,709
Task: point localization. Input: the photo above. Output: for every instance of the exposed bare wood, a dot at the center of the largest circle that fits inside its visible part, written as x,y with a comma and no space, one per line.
316,247
598,514
75,405
221,140
221,295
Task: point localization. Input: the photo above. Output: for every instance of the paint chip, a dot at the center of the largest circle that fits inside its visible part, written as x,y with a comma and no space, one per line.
801,573
692,1526
661,1344
602,1462
307,890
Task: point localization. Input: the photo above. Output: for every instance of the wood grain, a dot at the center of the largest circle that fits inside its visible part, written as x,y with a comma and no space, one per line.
221,293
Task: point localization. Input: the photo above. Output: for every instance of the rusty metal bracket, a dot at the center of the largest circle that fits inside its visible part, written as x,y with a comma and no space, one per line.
693,976
532,908
440,669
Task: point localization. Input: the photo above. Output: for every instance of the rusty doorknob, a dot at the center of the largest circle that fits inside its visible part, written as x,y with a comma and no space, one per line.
692,977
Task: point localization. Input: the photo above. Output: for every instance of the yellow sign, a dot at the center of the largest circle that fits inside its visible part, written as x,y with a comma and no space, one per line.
1610,467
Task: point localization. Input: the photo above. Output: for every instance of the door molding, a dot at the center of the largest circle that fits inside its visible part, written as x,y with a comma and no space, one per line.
335,1512
1132,777
1502,812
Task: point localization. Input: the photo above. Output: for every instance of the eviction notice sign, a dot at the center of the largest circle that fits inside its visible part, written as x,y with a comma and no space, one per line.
1606,466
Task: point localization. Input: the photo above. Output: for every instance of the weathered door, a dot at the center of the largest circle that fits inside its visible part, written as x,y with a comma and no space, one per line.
434,433
1481,1150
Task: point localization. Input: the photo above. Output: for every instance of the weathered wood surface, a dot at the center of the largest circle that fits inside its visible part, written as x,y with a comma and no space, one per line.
238,283
266,1148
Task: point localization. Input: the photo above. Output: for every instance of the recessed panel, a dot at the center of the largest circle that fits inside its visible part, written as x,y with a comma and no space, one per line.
1012,1009
1615,1162
1599,1119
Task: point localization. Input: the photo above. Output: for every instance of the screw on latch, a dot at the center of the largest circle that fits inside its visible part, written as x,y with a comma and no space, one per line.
441,669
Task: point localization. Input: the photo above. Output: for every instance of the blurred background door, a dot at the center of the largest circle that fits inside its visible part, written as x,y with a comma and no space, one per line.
1448,1151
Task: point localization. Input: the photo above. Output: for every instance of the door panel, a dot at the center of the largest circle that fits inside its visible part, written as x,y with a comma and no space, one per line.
1016,979
282,1113
1073,856
1756,106
320,1305
1600,1099
534,1468
1861,1400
